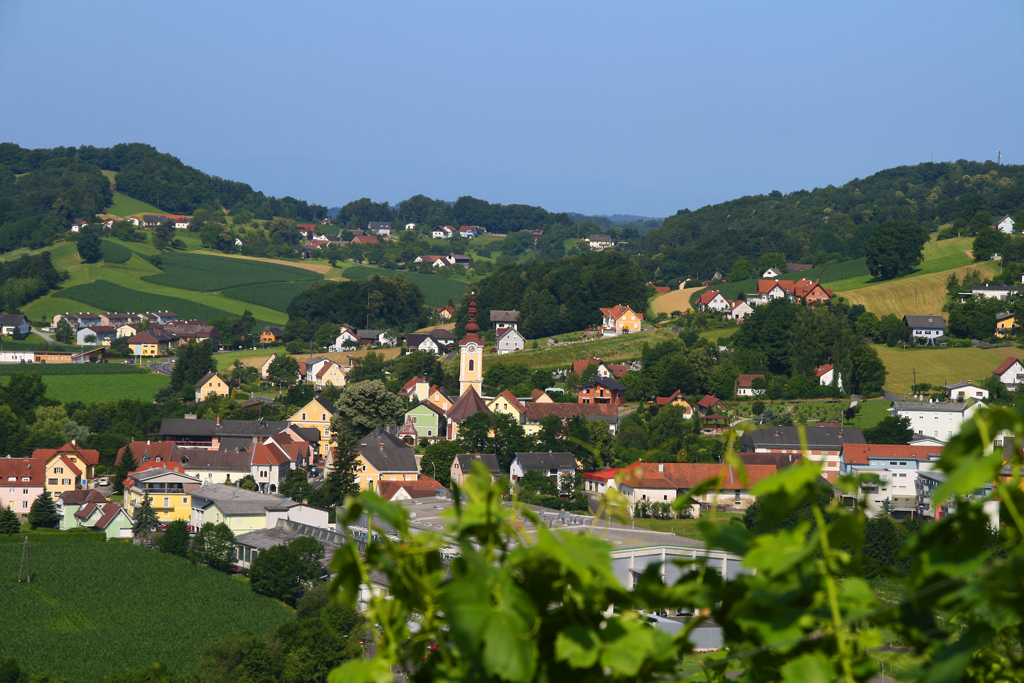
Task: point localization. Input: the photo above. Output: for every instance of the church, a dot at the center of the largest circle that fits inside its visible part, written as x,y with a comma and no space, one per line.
471,377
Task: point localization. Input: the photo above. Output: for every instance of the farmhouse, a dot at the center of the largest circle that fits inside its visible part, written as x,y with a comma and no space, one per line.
271,335
927,328
1005,324
443,232
712,300
745,385
826,374
501,320
211,385
961,391
549,464
620,319
14,325
1010,372
383,457
509,340
600,242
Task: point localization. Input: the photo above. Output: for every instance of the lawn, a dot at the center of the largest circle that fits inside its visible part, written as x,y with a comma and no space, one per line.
207,273
437,290
939,366
871,413
89,388
66,369
626,347
687,528
938,257
918,294
125,206
121,607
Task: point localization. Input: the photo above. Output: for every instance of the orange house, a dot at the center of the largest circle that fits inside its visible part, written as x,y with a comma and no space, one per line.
621,319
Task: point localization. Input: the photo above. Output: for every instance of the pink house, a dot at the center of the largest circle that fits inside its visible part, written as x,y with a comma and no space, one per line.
21,481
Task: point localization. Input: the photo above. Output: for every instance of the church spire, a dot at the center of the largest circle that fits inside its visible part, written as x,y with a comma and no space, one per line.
471,327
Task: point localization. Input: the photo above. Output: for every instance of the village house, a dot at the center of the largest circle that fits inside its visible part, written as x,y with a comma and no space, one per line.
316,415
347,337
1004,224
239,509
896,467
69,502
151,344
1010,372
443,232
557,465
110,518
738,311
462,466
469,231
676,398
382,228
509,340
416,389
596,484
435,261
22,480
427,421
169,493
503,320
993,291
509,405
930,508
802,291
928,328
424,487
445,312
383,457
713,300
1005,324
600,242
271,335
664,482
962,391
537,410
602,390
265,367
612,370
620,319
826,374
14,325
934,419
771,274
824,444
211,385
210,433
85,460
710,404
745,385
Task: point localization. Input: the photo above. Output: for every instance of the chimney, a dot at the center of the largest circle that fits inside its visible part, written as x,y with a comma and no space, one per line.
73,442
218,420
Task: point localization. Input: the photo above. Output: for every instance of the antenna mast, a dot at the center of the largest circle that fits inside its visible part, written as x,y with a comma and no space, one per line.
24,563
999,157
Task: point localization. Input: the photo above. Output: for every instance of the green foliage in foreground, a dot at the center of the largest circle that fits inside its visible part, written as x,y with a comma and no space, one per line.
546,606
81,629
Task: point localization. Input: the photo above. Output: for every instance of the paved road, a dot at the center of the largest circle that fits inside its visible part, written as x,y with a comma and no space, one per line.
45,335
164,367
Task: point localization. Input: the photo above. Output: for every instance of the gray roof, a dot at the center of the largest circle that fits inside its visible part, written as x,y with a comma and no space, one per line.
227,460
607,383
504,316
546,461
311,434
12,319
489,460
961,385
234,500
997,288
387,453
172,426
999,316
903,406
831,438
925,322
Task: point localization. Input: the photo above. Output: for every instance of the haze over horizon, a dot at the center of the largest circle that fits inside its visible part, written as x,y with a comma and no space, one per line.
640,108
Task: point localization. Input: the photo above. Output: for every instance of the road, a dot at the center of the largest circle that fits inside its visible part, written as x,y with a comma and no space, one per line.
45,335
164,367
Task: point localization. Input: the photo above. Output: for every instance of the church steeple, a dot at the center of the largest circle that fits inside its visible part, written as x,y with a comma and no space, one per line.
471,351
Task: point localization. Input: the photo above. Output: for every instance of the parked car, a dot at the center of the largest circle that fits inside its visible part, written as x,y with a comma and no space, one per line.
104,481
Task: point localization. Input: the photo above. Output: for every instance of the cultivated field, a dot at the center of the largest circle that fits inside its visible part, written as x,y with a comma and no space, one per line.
938,257
205,273
922,294
88,388
618,348
67,369
676,300
125,206
941,365
437,291
322,268
121,607
276,296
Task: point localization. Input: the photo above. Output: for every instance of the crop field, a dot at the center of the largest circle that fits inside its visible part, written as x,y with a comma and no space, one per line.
676,300
614,349
437,291
922,294
89,388
940,365
114,252
137,607
66,369
938,257
276,296
125,206
206,273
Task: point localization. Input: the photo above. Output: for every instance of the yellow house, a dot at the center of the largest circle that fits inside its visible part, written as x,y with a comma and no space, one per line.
61,475
151,344
383,457
271,335
508,404
440,399
331,374
84,460
1005,324
620,319
316,414
209,385
170,493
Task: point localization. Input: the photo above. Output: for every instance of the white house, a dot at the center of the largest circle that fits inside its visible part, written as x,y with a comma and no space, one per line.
961,391
771,273
745,385
896,467
346,335
926,327
994,291
739,311
1005,224
436,261
509,340
410,226
443,232
14,325
265,368
1010,372
927,506
549,464
826,373
664,482
382,228
938,420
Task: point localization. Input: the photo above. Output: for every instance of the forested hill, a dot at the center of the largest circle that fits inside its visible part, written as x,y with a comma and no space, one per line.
831,223
159,179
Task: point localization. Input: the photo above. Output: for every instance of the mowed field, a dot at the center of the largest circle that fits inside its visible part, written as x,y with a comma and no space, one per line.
922,294
88,388
618,348
941,365
121,607
676,300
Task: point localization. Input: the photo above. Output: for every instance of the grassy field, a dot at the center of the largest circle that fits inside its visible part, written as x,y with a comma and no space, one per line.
686,528
938,257
617,348
940,366
277,296
871,413
676,300
123,607
919,294
125,206
114,252
67,369
88,388
437,290
206,273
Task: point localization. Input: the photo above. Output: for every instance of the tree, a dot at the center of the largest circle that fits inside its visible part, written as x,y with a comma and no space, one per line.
895,248
164,234
128,464
988,243
275,572
249,483
145,519
194,360
213,545
284,370
43,513
891,429
65,334
868,371
89,247
368,405
175,540
437,461
9,523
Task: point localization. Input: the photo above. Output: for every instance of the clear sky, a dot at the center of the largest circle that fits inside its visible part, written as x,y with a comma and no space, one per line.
597,107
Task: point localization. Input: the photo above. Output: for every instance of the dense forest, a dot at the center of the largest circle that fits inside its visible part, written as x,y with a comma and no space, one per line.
156,178
379,303
831,223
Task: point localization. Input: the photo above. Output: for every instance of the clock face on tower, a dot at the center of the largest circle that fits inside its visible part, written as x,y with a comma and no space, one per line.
470,347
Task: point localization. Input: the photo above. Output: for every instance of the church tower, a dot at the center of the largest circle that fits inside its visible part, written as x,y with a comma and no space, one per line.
471,354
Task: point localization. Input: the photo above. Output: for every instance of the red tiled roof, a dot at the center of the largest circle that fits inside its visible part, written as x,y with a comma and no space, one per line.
110,511
538,411
365,239
665,400
424,487
409,386
164,465
747,381
155,449
686,475
858,453
67,463
822,369
513,401
617,370
1005,365
578,366
269,454
619,310
706,297
468,404
88,455
709,401
603,475
34,469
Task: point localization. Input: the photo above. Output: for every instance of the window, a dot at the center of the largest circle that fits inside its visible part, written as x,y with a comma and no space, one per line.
12,492
24,492
184,500
65,482
167,502
471,365
24,504
303,417
52,481
58,470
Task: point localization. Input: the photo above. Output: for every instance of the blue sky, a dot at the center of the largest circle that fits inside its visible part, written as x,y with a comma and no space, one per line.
596,107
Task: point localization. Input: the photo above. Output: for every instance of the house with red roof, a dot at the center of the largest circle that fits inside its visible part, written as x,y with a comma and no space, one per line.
738,311
424,487
612,371
712,300
676,398
745,385
84,459
620,319
1010,372
896,467
21,481
578,366
110,518
443,232
596,484
445,312
365,240
664,482
826,374
803,291
710,404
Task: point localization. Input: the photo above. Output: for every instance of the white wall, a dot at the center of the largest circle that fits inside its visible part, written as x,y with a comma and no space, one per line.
304,514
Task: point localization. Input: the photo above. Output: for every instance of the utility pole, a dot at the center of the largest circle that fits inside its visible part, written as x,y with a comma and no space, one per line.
24,563
999,157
